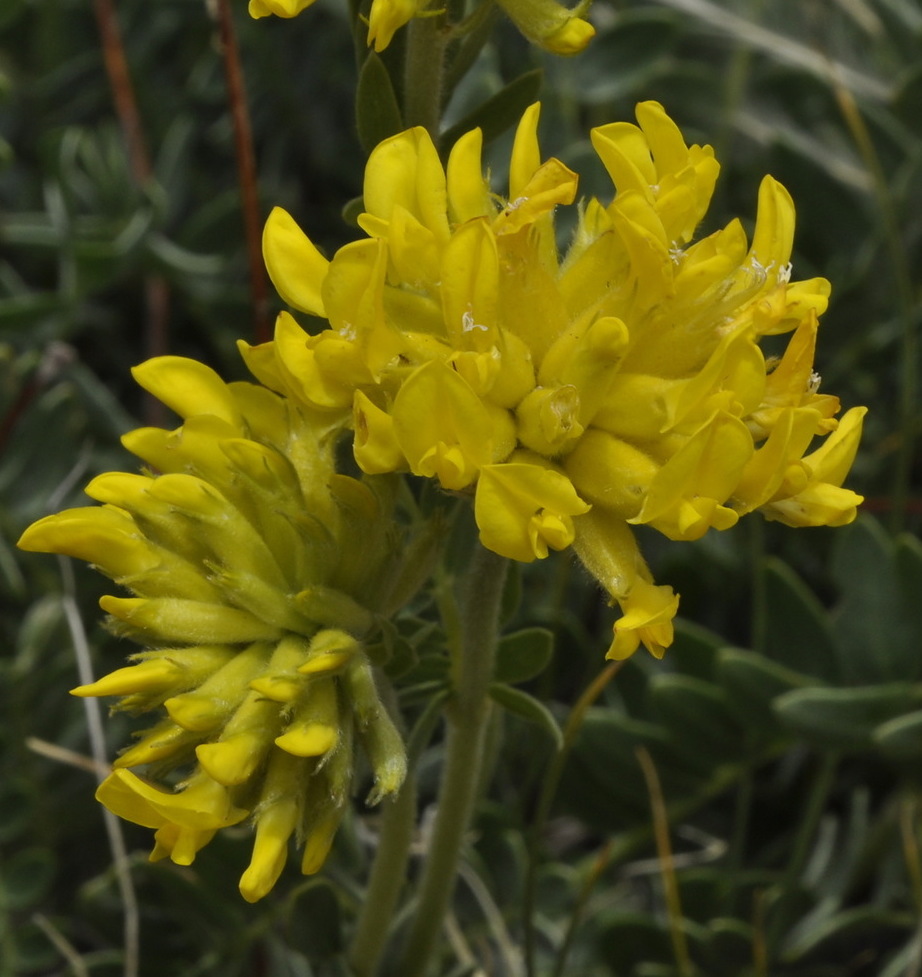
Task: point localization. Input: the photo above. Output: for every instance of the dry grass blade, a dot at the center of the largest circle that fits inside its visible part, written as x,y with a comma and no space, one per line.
664,851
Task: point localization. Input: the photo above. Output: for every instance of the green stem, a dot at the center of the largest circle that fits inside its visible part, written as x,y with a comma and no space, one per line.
388,876
424,73
468,714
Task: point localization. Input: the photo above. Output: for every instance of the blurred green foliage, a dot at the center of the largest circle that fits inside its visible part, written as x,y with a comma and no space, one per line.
789,749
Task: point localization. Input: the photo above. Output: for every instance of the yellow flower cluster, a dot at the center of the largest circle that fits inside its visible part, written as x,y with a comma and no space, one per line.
256,572
573,396
546,23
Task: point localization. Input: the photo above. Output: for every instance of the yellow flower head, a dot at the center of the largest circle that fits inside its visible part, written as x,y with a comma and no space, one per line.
256,571
545,23
573,395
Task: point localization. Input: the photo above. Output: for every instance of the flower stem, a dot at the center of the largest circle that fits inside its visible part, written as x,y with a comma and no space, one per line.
388,876
467,714
424,73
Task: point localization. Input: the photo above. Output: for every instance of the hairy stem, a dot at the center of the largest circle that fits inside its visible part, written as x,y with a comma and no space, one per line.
468,716
424,74
388,876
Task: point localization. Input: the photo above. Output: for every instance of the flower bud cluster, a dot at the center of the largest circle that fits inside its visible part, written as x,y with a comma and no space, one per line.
256,572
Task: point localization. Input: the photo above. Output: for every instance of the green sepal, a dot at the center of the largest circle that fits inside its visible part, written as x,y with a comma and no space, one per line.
377,111
523,655
527,707
352,209
498,113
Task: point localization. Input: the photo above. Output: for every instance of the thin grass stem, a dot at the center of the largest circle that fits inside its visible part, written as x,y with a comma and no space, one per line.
667,866
156,289
246,170
120,862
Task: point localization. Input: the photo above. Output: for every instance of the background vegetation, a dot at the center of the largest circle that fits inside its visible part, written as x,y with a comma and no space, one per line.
782,735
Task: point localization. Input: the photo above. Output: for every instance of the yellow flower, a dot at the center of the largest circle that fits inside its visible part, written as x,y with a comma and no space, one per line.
624,375
386,17
550,25
546,23
256,573
281,8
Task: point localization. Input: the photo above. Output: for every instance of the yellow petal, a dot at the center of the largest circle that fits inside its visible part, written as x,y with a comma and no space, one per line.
648,614
468,191
526,154
443,428
609,551
823,502
770,467
686,496
570,38
386,17
203,804
187,387
281,8
610,471
179,844
274,827
469,290
153,675
524,508
233,759
196,712
405,170
550,25
319,840
375,444
551,184
773,237
547,419
314,726
296,267
101,535
308,740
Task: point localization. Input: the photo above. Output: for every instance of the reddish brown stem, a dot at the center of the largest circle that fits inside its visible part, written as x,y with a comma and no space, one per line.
156,289
246,170
126,106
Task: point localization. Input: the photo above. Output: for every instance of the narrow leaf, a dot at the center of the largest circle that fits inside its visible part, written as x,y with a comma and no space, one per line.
499,113
377,112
